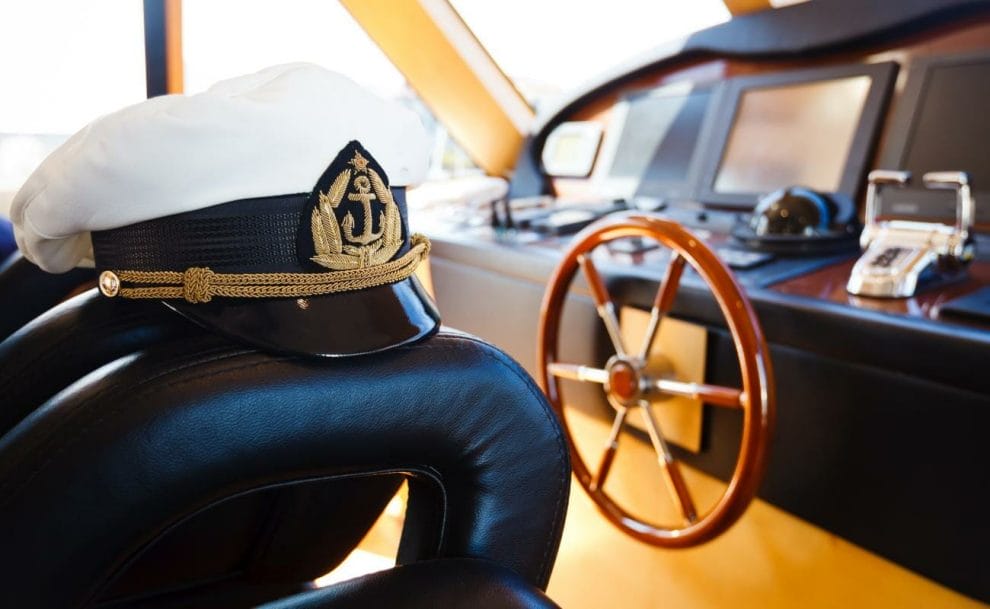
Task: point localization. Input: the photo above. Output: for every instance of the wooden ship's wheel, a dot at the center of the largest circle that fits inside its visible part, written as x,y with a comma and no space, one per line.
628,383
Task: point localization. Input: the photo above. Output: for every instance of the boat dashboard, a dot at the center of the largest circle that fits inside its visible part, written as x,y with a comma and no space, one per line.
836,161
704,144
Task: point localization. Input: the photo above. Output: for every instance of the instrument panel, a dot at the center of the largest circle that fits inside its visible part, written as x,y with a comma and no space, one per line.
925,123
729,143
703,136
730,139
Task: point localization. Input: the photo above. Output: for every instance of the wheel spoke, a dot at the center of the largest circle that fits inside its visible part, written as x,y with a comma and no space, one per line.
611,445
728,397
663,301
672,472
604,304
578,373
679,490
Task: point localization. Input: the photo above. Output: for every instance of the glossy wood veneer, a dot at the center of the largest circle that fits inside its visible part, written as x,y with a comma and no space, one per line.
829,284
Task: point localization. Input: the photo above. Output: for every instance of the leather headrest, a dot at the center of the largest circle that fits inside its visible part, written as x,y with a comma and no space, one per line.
147,441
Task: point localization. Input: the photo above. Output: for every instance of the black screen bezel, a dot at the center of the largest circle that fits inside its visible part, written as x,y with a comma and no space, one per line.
897,148
882,76
686,187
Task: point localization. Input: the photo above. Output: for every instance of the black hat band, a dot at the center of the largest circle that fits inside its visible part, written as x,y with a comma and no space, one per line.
348,234
176,257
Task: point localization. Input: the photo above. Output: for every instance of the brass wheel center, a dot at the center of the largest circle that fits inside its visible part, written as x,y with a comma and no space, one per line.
624,381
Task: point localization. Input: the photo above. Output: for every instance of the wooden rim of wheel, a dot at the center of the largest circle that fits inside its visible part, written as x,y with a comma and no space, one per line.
755,398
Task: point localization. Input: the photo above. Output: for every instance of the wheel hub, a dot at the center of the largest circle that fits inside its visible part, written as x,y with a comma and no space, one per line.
625,380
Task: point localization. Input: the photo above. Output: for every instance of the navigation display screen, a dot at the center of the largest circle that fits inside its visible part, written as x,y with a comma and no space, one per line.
659,132
950,131
797,134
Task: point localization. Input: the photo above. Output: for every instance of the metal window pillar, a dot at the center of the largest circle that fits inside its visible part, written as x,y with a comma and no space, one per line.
741,7
453,74
163,46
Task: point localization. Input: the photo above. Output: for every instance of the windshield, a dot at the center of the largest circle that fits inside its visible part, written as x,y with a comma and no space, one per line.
549,47
60,73
226,38
78,60
546,47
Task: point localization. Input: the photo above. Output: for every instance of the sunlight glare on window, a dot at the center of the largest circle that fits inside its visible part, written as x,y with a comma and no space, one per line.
227,38
64,64
549,47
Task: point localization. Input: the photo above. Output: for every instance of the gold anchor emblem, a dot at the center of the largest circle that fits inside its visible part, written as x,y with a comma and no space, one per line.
365,196
337,247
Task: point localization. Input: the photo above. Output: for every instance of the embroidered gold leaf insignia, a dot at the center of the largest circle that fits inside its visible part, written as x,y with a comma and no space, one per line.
336,245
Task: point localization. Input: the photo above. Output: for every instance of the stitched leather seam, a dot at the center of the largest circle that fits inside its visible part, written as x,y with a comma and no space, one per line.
190,513
432,474
262,545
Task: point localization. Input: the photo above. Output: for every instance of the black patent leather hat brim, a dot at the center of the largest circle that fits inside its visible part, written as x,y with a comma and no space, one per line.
335,325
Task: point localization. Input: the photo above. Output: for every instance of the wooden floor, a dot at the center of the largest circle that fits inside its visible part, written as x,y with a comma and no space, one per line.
769,559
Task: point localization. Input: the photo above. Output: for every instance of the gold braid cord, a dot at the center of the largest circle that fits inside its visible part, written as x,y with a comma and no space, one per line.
198,284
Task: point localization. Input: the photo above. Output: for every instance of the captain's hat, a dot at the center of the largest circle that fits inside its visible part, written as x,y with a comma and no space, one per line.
270,207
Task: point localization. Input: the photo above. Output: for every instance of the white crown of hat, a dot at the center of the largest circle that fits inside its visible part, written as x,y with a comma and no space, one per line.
269,133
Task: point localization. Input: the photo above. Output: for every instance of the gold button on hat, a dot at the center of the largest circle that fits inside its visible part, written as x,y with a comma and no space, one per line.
109,283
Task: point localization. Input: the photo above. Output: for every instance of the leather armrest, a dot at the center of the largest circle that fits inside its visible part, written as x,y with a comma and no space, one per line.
453,583
26,291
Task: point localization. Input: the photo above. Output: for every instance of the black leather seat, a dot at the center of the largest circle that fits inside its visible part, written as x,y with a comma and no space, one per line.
454,583
81,335
26,291
72,339
191,472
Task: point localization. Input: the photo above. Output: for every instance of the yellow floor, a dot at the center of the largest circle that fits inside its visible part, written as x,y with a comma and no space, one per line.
769,559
